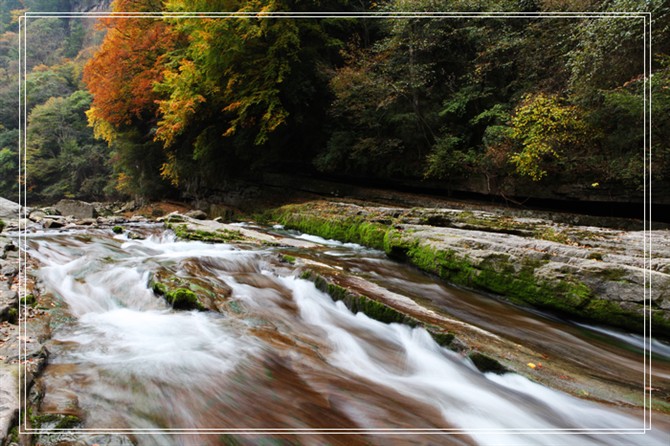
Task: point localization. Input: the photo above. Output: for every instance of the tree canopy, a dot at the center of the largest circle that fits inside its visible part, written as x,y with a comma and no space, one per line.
184,103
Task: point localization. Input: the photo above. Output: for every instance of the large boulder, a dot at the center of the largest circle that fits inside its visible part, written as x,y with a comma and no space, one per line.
9,210
76,208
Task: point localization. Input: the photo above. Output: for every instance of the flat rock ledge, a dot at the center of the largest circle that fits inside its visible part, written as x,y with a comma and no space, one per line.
614,277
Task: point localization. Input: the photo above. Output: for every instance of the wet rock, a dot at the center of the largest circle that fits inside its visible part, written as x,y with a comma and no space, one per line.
106,208
37,216
6,247
49,210
110,221
9,300
486,364
50,223
135,236
9,398
9,269
76,208
197,214
60,401
22,224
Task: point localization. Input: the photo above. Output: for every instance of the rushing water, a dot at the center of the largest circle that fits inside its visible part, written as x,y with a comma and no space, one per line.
282,355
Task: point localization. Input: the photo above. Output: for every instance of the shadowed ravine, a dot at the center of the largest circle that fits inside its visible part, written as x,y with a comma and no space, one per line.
281,354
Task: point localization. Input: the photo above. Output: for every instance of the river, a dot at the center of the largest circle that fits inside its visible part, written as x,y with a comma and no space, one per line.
281,358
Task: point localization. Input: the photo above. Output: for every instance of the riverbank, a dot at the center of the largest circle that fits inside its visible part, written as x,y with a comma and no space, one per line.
591,273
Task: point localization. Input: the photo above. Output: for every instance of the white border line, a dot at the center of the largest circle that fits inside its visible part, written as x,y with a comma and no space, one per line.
311,15
648,214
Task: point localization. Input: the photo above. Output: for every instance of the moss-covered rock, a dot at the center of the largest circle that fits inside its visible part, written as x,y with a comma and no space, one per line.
541,269
288,259
159,288
28,299
487,364
54,421
442,338
375,309
183,299
350,229
219,236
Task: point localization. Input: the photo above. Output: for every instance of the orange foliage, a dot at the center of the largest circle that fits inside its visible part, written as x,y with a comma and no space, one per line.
123,71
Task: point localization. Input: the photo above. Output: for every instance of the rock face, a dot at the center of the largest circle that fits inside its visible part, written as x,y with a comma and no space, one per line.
9,210
594,273
76,208
9,398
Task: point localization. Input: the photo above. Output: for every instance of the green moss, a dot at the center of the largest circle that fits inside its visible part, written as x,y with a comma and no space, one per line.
159,288
68,422
660,323
117,229
613,274
444,263
288,259
183,299
2,224
443,339
358,303
348,229
198,289
610,312
14,435
12,315
28,300
551,235
499,276
487,364
58,421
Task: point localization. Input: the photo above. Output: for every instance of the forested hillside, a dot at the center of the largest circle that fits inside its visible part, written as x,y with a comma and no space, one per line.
63,158
513,106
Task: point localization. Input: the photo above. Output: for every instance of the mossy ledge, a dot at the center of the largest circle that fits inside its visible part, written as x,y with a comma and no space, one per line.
374,309
518,283
221,236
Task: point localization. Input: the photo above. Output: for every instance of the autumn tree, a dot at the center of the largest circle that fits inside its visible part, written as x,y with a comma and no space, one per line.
121,76
243,92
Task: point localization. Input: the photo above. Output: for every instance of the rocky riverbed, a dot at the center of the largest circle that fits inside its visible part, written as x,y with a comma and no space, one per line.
588,272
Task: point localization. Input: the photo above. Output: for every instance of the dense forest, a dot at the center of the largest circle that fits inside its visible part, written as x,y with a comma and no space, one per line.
155,107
